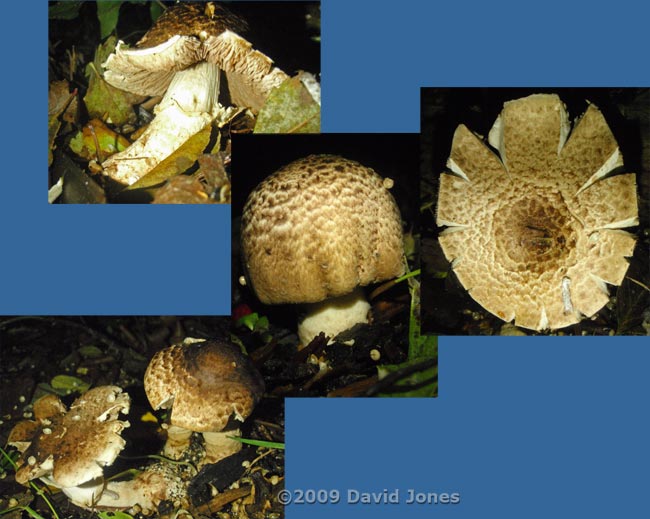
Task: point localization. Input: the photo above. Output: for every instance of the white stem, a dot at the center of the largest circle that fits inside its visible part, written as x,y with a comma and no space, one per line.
188,106
333,316
178,441
218,446
160,482
85,495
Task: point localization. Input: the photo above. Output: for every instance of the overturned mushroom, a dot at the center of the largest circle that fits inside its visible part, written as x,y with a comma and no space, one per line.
206,385
534,233
157,483
68,449
317,230
181,57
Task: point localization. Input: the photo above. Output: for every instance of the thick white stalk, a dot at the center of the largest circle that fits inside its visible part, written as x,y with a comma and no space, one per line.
218,445
188,106
333,316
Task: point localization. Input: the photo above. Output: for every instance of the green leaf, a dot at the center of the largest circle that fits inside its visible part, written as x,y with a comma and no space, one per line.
90,352
108,12
104,101
258,443
290,108
254,322
114,515
64,10
156,10
69,384
411,381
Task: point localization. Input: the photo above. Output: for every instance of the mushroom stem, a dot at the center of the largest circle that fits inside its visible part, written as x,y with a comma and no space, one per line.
159,482
188,106
333,316
85,495
178,440
218,445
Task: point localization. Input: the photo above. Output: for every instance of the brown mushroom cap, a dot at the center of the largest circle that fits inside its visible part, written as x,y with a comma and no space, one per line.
318,228
71,448
186,34
534,234
204,384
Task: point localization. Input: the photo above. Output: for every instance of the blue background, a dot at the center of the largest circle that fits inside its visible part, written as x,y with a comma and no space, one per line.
543,427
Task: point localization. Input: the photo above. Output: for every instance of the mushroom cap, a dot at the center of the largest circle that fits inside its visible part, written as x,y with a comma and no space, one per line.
534,233
71,448
204,384
192,19
318,228
186,34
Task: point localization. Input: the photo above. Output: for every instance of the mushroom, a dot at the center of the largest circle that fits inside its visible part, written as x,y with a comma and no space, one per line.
181,57
535,232
68,449
206,385
157,483
316,231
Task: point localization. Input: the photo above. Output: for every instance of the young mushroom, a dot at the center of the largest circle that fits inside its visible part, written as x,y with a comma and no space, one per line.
535,232
69,449
181,57
315,232
206,386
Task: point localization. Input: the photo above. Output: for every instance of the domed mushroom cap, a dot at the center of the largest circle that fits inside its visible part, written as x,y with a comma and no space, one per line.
204,384
318,228
535,234
71,447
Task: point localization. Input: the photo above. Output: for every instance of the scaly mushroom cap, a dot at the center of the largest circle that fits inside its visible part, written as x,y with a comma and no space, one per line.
71,448
318,228
186,34
204,384
536,235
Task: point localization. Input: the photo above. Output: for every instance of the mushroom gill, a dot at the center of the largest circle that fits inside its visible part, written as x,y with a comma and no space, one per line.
534,232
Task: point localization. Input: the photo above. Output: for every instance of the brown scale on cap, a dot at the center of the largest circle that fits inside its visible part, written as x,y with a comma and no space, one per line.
71,447
192,19
205,384
184,36
534,233
318,228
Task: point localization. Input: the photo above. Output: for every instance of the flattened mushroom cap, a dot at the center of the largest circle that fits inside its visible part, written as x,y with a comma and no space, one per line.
71,448
205,384
186,34
534,233
318,228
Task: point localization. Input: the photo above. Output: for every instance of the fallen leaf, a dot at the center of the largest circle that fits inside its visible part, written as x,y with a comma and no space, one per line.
290,108
103,100
182,190
96,133
60,102
179,161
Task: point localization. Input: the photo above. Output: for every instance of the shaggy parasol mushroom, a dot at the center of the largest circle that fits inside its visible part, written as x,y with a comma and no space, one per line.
181,56
68,449
205,385
534,234
317,230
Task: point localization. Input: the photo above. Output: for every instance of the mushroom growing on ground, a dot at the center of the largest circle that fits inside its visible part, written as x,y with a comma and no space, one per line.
68,449
534,233
181,57
316,231
206,385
